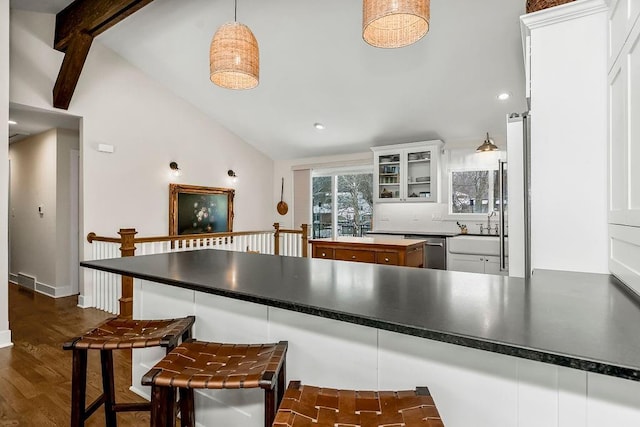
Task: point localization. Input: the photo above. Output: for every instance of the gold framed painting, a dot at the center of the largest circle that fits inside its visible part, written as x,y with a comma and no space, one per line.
198,210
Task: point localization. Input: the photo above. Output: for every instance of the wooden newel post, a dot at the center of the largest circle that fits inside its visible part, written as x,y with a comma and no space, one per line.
127,248
276,242
305,240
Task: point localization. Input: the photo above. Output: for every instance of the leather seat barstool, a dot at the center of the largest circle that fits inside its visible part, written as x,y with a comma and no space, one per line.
206,365
304,406
117,334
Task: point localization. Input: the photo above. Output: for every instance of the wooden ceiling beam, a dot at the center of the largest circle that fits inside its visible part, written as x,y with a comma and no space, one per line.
92,17
70,70
76,26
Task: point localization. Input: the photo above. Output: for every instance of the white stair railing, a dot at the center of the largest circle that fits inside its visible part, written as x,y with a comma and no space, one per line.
107,287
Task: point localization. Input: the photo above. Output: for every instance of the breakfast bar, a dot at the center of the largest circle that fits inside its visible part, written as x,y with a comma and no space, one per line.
560,349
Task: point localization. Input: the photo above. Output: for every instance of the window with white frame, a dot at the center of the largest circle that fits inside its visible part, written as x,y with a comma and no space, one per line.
342,202
474,191
473,181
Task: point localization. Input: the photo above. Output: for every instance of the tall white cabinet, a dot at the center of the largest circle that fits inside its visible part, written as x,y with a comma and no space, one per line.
568,51
624,141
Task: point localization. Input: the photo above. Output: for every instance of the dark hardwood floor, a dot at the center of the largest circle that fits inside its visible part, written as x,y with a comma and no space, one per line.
35,374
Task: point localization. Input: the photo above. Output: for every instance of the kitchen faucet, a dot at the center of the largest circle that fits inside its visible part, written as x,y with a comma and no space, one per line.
488,224
489,221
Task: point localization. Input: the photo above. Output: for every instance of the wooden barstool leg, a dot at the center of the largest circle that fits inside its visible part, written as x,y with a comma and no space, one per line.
187,335
187,408
106,359
282,378
163,408
78,387
269,406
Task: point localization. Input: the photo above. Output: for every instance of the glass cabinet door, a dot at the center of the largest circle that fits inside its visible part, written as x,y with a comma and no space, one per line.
407,172
389,169
419,185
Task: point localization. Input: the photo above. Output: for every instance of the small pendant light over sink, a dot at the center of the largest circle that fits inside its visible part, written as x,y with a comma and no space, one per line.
394,23
487,145
234,58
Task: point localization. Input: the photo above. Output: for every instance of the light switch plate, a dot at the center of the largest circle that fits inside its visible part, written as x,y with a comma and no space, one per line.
105,148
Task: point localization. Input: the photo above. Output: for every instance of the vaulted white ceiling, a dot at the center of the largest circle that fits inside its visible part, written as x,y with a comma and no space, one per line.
315,67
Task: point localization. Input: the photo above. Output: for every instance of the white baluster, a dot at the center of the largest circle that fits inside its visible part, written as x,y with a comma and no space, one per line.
101,279
107,281
94,276
119,293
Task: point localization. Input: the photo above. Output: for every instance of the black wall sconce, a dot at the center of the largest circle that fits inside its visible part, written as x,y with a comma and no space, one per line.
232,175
175,170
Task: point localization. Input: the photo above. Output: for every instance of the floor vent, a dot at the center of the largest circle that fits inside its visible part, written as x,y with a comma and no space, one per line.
27,281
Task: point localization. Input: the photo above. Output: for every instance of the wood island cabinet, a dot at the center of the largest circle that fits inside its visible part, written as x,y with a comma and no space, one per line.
403,252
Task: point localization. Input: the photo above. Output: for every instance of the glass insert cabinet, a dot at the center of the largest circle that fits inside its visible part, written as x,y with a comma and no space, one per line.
406,172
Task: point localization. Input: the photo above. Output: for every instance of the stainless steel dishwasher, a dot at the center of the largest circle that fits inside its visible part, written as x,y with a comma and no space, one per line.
435,251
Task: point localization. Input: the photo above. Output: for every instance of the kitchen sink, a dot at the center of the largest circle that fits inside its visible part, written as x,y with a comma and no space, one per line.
475,245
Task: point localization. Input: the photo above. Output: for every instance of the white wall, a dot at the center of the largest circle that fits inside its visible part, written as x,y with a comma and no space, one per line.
569,138
33,184
149,127
5,333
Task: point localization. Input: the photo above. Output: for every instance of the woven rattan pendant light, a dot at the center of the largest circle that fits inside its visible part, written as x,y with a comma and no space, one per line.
234,59
394,23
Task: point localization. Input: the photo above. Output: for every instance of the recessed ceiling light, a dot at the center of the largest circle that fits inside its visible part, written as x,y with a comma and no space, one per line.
13,122
318,126
504,96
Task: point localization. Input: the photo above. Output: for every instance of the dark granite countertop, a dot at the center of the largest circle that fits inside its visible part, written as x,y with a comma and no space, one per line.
431,233
584,321
417,233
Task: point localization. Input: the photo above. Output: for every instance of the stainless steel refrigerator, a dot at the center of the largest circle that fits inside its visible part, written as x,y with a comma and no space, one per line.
515,223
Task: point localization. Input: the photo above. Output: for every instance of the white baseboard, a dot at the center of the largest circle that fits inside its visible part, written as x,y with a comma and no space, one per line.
64,292
5,338
52,291
43,288
140,392
84,302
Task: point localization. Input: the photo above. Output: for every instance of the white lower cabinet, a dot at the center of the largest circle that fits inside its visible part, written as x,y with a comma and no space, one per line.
488,264
492,265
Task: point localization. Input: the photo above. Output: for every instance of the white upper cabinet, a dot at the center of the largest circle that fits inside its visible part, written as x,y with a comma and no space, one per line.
622,17
406,172
624,141
569,45
624,116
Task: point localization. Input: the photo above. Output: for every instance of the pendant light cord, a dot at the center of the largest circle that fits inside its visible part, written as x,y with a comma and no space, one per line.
235,12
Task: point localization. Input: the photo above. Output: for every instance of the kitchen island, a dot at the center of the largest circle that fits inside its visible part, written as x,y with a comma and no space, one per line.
476,340
386,251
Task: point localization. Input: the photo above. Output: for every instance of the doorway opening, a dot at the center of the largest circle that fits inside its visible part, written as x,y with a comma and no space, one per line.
44,199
